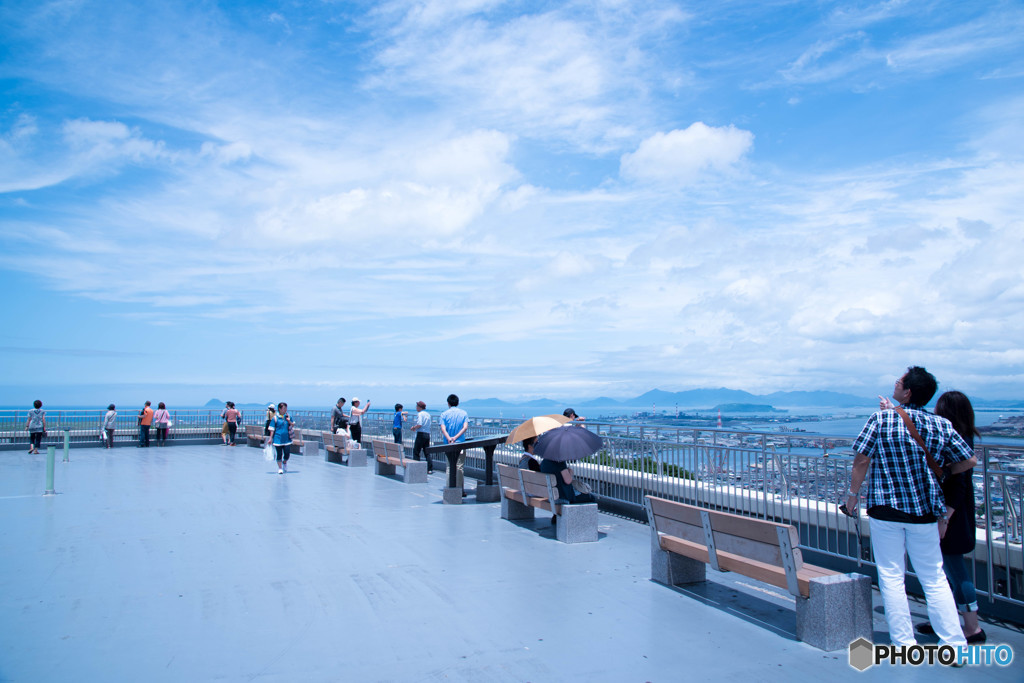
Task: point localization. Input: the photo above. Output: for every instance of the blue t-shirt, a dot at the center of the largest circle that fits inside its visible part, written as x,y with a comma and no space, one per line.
453,420
398,419
280,425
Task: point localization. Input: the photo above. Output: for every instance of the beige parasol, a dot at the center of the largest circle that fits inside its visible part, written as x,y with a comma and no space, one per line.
536,426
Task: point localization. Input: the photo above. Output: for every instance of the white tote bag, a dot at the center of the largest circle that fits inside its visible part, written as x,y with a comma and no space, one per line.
268,451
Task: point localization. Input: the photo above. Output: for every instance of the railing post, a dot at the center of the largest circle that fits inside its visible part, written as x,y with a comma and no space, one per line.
50,454
67,445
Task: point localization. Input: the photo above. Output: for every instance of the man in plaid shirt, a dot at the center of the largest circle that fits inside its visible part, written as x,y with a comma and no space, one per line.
905,503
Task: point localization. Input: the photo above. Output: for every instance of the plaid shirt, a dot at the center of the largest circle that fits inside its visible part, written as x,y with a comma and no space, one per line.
899,476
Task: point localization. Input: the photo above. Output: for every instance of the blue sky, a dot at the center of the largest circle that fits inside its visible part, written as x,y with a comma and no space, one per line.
301,200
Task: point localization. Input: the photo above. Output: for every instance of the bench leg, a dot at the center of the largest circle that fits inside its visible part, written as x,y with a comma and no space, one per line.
415,472
577,524
384,468
837,612
672,569
514,510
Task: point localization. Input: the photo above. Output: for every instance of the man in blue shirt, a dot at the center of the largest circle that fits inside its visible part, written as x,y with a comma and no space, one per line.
905,503
454,423
396,425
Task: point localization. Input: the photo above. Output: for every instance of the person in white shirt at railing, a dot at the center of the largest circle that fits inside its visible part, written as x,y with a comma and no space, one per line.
355,420
422,431
109,425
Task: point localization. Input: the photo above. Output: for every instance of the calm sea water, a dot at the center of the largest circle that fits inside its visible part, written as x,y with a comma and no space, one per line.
826,420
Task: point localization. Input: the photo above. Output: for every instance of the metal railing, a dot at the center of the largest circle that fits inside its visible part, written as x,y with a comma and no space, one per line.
789,477
792,477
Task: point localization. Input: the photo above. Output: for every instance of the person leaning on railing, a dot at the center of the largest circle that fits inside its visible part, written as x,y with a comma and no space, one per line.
109,425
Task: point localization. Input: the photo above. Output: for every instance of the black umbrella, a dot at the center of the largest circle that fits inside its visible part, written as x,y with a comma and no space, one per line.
567,443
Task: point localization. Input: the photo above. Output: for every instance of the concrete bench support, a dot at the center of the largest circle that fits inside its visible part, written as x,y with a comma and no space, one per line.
577,523
514,510
672,569
356,458
837,612
488,494
415,472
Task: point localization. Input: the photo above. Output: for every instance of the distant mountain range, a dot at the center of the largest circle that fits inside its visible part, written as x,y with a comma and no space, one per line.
698,398
709,398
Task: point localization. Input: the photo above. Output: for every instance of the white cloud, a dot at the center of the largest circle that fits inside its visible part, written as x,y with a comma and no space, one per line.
443,187
680,157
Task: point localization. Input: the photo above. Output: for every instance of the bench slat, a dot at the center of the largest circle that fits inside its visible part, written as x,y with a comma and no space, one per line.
761,571
725,522
738,545
394,452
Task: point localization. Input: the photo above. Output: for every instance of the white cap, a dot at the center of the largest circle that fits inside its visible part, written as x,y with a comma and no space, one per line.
355,400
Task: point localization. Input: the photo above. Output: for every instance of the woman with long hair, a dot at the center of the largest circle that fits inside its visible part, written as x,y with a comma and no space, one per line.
958,530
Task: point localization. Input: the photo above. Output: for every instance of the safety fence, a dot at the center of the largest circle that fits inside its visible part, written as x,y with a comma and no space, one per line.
790,477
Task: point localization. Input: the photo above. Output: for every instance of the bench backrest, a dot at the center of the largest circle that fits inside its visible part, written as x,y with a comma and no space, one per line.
508,478
379,451
530,484
755,539
253,430
394,450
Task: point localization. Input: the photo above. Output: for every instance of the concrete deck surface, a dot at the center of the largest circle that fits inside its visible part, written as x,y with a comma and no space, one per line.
201,563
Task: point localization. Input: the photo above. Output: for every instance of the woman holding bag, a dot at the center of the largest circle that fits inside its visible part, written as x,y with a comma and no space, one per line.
281,436
161,418
109,425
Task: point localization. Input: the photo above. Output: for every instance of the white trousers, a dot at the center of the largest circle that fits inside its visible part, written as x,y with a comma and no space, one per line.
889,542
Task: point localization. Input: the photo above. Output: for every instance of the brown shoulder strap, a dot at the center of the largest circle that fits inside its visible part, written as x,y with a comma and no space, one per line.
932,465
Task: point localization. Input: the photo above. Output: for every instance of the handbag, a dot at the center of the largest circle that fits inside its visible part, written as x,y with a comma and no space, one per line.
580,486
268,451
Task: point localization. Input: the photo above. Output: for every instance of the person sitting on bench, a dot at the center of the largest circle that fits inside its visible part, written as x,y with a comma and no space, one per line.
563,477
528,461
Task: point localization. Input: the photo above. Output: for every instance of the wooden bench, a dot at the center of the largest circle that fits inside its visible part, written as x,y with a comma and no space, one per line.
336,450
524,491
832,609
390,455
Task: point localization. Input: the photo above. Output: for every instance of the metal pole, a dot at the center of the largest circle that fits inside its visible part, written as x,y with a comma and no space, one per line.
50,453
67,445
